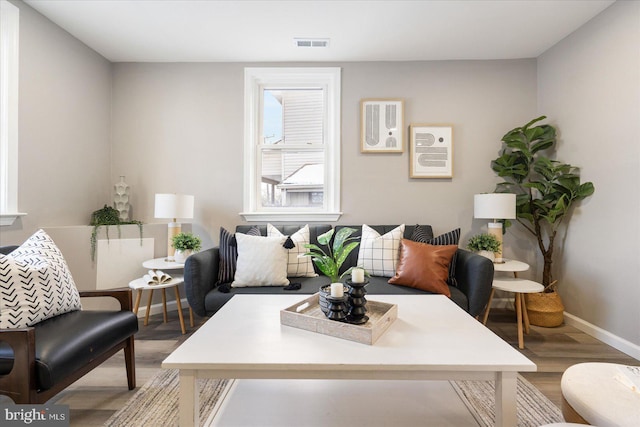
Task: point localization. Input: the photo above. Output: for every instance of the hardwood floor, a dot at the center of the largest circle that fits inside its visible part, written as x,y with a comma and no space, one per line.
94,398
553,350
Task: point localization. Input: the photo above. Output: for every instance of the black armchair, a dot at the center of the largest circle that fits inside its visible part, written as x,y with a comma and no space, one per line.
38,362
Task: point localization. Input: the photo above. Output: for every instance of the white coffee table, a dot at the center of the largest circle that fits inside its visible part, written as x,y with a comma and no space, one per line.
432,339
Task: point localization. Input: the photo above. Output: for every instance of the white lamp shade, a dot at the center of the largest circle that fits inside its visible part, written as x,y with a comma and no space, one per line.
174,206
494,206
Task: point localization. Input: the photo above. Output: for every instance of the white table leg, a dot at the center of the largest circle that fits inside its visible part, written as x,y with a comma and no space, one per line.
188,402
506,406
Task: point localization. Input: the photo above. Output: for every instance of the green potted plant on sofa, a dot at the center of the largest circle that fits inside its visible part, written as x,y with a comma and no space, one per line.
546,189
185,244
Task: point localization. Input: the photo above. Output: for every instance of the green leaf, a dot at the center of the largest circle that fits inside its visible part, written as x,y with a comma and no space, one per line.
325,238
342,254
314,248
327,266
535,184
542,144
341,236
586,190
528,125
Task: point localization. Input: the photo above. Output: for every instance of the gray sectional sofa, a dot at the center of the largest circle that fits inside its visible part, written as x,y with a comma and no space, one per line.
473,275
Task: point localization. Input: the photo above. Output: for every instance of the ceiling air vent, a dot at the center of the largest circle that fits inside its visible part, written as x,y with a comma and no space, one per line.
308,42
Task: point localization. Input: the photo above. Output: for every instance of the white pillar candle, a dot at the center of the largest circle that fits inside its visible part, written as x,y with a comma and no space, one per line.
337,290
357,275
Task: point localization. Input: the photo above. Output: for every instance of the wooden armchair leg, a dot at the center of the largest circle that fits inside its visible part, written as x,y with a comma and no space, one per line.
130,362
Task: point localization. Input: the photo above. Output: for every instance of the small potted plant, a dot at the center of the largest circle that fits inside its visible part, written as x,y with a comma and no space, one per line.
185,244
484,244
329,262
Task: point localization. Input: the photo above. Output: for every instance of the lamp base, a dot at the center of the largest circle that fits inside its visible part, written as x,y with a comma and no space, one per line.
495,229
174,229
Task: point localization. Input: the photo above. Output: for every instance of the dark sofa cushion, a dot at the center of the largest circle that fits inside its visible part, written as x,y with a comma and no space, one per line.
215,299
73,339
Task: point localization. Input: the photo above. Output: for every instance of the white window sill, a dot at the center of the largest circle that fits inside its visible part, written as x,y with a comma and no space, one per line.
291,216
9,218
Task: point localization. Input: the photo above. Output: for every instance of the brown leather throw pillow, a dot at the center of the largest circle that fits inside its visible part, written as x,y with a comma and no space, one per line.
424,266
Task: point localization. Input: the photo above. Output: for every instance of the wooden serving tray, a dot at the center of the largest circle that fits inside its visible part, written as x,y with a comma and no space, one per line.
307,315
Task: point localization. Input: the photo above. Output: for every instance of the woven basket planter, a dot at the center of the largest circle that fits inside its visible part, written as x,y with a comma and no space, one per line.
545,309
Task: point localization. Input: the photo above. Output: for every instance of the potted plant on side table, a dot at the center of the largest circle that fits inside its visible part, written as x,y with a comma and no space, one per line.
484,244
546,191
185,244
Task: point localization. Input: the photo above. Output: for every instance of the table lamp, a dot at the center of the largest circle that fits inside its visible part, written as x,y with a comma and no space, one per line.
495,206
173,206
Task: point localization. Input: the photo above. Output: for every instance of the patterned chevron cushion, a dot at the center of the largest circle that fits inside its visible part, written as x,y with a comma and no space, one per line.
35,284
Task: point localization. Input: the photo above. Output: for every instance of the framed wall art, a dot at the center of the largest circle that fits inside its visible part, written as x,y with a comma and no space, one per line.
382,126
431,151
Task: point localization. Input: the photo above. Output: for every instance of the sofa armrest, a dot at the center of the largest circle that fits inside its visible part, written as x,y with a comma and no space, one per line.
474,274
200,276
123,295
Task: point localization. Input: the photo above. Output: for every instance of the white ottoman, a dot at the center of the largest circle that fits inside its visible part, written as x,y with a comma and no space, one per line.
591,393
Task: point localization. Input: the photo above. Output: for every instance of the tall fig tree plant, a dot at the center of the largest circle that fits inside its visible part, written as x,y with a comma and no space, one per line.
546,189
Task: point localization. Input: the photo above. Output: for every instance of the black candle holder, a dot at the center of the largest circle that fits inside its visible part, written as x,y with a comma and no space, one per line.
357,302
336,308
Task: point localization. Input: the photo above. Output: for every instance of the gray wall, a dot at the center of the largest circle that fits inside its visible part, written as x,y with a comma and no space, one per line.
589,85
179,128
64,128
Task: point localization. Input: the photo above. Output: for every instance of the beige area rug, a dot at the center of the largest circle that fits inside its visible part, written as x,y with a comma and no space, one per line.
156,403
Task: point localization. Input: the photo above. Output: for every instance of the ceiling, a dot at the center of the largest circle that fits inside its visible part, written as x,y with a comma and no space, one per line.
263,30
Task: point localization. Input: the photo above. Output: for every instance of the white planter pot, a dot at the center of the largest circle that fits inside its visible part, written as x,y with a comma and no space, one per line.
181,256
487,254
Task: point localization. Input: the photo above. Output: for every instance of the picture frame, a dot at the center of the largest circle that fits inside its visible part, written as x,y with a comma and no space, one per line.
431,151
382,125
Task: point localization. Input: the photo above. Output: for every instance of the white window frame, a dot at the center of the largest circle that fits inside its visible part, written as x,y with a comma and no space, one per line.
255,81
9,38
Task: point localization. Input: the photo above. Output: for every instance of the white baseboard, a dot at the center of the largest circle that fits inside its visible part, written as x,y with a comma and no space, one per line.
157,308
606,337
598,333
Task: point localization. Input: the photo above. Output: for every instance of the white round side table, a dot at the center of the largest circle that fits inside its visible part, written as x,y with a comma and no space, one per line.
508,266
140,285
511,266
162,264
518,287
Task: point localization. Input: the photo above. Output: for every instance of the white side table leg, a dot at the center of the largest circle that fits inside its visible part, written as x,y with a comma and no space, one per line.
506,406
188,401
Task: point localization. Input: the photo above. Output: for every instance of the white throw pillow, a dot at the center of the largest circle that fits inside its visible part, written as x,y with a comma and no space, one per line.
35,284
262,261
297,266
379,254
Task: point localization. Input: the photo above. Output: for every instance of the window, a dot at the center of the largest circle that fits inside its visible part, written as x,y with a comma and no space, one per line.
9,21
292,144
